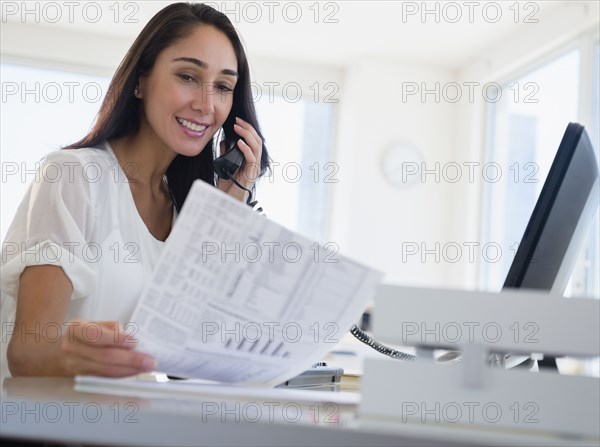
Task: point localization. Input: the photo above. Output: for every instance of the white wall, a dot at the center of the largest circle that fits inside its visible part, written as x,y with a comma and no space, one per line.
371,219
57,48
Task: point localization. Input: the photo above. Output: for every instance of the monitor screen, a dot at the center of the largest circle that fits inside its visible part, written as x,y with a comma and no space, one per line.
561,219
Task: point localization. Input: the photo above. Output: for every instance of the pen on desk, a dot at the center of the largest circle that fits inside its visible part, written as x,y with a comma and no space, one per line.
343,352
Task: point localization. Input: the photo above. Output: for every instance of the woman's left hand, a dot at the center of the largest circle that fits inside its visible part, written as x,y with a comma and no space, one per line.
251,146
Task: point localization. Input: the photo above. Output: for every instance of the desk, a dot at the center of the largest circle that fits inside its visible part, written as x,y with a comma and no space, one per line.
49,409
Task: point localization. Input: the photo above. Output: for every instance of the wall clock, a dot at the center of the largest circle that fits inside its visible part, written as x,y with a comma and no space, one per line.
401,164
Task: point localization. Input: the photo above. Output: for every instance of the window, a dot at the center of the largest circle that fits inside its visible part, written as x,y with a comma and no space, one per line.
591,262
525,128
299,140
42,110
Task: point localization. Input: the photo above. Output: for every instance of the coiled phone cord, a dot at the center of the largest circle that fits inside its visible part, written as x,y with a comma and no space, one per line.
370,341
249,202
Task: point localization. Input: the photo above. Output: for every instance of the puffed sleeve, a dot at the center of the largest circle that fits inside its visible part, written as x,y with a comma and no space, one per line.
54,225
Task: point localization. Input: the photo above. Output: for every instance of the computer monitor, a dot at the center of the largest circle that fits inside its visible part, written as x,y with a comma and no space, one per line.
559,224
561,219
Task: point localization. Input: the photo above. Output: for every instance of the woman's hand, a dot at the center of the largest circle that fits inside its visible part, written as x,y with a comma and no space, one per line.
101,348
98,348
41,345
251,146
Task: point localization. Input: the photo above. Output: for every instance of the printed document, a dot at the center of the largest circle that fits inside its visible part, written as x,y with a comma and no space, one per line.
238,298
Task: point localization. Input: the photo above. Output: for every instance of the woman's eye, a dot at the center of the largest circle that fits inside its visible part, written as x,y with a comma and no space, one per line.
221,88
186,77
224,88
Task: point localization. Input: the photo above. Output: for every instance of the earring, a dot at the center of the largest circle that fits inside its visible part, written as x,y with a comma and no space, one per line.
136,92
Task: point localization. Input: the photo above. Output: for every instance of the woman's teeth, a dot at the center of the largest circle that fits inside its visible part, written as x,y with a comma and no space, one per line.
191,126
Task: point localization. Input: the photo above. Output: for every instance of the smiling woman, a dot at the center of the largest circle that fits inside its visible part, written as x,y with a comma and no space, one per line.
90,229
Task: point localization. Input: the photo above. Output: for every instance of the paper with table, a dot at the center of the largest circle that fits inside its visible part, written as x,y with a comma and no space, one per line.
238,298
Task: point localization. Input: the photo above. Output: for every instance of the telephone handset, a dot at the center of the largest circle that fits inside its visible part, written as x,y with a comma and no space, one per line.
227,164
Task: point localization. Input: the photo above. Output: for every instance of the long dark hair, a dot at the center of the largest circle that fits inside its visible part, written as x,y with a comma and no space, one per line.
120,112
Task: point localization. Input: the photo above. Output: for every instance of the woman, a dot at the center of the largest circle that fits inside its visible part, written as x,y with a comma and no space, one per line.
90,229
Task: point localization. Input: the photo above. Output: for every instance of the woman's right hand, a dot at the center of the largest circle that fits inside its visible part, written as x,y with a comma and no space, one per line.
100,348
80,347
96,348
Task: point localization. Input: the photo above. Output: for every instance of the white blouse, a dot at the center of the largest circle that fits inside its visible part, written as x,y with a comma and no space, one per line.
79,213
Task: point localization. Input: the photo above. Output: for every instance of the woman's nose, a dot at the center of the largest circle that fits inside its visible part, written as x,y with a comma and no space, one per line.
204,100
